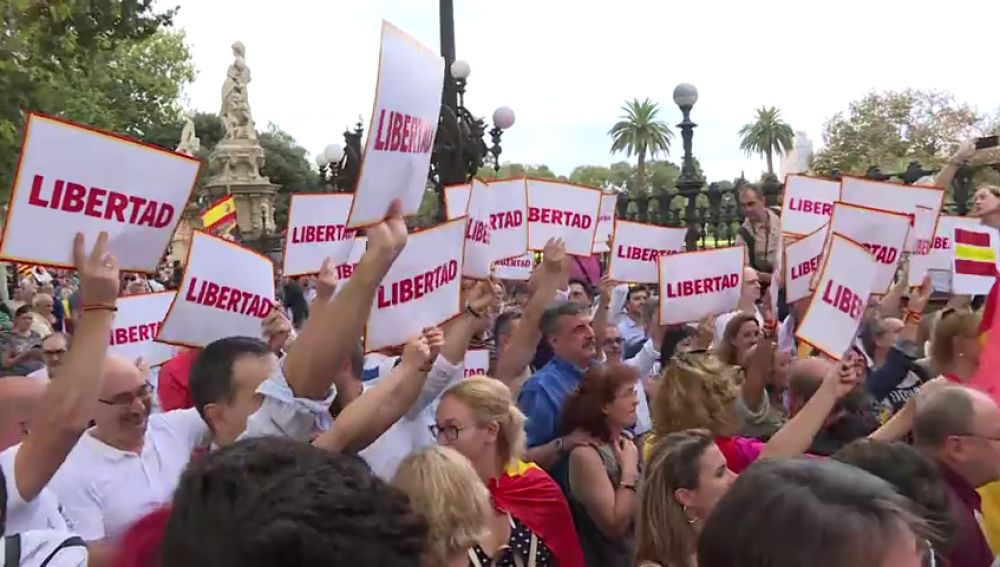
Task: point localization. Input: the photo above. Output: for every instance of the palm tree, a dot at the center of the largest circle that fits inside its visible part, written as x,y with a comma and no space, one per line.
766,135
639,133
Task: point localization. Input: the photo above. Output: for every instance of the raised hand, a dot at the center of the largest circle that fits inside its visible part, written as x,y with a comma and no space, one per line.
276,328
416,352
607,286
387,238
435,340
326,281
920,296
99,279
554,255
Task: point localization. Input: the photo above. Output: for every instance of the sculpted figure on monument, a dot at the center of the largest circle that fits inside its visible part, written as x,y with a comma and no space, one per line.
235,113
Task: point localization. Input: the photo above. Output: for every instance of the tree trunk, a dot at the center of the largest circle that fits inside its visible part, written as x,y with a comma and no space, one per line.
770,162
640,173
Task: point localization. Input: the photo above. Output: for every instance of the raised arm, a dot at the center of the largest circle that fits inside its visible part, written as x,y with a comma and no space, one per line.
370,415
70,402
524,340
335,327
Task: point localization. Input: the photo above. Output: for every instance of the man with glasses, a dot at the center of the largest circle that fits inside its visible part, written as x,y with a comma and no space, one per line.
960,428
54,348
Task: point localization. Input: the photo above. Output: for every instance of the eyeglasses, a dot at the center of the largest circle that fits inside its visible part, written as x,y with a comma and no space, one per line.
126,398
54,352
448,432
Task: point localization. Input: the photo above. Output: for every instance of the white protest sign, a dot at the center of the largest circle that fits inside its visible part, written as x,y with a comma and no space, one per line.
694,285
516,268
456,200
605,224
477,362
891,197
924,221
72,178
974,260
422,288
808,204
136,323
941,250
803,259
832,318
227,291
882,233
636,247
509,218
478,249
346,270
317,229
562,210
404,122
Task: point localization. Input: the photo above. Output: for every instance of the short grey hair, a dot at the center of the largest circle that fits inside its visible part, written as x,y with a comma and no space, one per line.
549,323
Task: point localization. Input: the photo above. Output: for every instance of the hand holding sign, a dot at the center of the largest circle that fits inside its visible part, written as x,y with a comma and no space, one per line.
326,281
276,329
99,279
416,352
387,238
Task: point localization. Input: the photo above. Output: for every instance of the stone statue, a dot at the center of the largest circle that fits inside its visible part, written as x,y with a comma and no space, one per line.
190,143
235,113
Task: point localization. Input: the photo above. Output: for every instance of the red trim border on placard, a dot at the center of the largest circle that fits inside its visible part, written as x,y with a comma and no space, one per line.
614,243
784,203
659,271
12,200
291,209
597,215
187,266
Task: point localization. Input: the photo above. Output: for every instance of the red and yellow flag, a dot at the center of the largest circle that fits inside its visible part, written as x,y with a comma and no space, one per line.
220,213
531,496
974,253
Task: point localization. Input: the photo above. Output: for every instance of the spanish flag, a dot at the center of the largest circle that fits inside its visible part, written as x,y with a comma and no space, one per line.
530,495
219,214
974,253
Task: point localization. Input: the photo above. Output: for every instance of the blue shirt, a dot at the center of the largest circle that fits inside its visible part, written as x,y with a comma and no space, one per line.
633,333
542,397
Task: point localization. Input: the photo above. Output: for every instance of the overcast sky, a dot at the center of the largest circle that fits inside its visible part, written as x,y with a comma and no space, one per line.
566,67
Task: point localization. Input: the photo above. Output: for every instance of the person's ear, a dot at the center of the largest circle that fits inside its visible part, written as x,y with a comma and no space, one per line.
684,497
215,416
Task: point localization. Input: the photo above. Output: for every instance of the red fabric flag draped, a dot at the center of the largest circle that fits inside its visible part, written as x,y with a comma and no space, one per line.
529,494
987,377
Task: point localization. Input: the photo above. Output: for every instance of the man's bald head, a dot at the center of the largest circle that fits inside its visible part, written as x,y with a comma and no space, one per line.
947,413
119,375
751,284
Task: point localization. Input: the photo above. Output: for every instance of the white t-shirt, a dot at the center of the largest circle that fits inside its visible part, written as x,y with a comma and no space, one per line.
42,513
38,545
104,490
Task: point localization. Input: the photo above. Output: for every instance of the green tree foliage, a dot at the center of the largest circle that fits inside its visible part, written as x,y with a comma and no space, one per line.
767,134
286,164
890,129
641,133
508,169
55,54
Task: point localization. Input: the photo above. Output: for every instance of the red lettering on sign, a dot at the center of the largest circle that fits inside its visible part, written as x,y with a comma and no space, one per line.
809,206
401,132
345,271
883,254
701,286
630,252
559,217
843,299
806,268
515,262
942,243
134,333
506,219
477,231
227,298
100,203
410,289
321,233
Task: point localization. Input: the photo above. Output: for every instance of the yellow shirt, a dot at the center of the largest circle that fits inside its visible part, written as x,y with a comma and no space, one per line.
990,495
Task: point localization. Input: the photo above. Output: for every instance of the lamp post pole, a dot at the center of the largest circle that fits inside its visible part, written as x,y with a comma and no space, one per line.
690,181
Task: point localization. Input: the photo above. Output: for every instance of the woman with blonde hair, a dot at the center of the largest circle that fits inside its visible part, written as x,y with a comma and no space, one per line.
530,524
444,488
685,477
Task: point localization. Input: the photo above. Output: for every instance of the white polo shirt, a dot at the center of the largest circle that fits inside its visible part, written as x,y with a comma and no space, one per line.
103,490
38,545
42,513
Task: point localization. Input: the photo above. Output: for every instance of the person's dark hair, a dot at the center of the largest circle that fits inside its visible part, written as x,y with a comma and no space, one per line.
211,378
503,322
583,284
913,475
22,310
793,512
943,414
549,323
584,408
871,330
635,289
3,503
272,501
671,340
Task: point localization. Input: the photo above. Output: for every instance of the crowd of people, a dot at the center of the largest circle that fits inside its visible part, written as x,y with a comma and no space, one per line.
600,437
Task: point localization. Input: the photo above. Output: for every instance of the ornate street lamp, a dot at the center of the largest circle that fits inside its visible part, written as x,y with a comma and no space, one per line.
690,181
